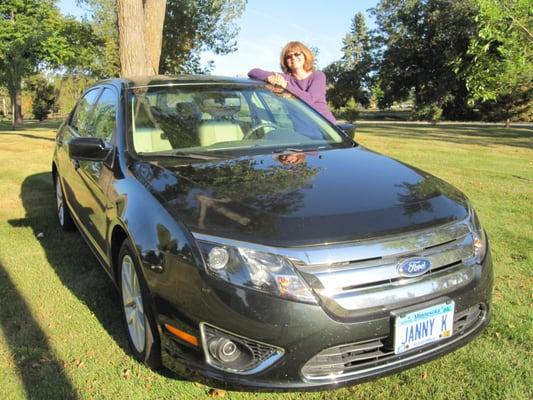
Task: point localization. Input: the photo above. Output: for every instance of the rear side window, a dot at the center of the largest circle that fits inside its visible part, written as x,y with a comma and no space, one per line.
81,120
104,116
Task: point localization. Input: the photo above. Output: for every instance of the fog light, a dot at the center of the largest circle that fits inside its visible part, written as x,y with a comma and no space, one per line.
218,258
236,354
224,350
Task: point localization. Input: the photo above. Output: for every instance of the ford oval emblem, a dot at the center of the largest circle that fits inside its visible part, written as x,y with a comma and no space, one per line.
414,266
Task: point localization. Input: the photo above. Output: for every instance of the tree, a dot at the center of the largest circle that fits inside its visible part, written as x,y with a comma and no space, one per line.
33,34
502,67
193,26
189,28
420,41
43,97
140,27
103,20
349,77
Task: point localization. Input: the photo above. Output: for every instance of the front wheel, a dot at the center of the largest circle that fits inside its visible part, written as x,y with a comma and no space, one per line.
63,213
143,336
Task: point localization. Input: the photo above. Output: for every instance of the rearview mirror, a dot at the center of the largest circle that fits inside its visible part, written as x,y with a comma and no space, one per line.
88,149
348,129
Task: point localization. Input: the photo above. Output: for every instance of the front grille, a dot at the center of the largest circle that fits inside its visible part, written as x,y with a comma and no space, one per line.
464,320
350,358
365,275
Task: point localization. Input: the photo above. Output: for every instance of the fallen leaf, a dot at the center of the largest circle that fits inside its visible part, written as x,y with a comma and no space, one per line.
217,393
424,375
126,374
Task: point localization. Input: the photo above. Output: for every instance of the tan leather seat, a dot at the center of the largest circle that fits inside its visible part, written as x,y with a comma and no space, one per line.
147,140
213,131
146,136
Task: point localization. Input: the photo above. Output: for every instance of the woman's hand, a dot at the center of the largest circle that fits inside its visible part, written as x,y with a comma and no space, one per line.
278,80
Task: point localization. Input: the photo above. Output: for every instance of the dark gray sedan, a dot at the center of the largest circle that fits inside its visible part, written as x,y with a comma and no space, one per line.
255,245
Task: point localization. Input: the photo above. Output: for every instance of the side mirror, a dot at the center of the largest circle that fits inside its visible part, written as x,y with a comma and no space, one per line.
348,129
88,149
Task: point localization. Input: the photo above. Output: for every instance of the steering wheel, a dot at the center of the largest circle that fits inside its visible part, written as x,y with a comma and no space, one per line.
262,125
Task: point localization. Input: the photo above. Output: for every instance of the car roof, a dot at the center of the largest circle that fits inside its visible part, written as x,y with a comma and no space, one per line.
164,80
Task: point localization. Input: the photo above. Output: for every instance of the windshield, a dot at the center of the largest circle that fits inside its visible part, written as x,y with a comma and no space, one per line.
182,120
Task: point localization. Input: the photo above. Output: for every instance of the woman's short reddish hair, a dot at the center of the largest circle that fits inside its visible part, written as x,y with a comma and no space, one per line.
309,64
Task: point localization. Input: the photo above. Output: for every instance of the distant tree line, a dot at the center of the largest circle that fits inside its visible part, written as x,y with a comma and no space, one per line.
455,60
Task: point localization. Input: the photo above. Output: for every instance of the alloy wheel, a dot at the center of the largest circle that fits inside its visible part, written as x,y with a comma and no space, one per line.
60,203
133,303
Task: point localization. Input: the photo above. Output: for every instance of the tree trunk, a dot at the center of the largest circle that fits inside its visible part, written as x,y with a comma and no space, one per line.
154,18
140,25
17,115
15,94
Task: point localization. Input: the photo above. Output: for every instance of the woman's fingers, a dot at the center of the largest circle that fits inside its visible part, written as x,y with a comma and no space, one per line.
277,79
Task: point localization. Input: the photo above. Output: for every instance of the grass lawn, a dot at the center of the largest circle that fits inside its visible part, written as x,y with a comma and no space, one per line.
60,330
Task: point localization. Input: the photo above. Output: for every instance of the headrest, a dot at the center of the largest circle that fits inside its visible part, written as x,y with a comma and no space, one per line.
188,111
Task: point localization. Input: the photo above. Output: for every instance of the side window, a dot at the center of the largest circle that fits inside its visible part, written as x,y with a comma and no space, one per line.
81,120
104,116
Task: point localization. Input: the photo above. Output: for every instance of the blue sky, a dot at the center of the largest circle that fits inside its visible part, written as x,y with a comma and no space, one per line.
266,25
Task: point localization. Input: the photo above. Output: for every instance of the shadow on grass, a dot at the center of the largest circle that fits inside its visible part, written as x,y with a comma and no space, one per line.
41,372
73,261
31,125
459,134
69,256
26,135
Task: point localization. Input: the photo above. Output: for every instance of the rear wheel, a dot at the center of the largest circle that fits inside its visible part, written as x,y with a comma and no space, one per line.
143,336
63,213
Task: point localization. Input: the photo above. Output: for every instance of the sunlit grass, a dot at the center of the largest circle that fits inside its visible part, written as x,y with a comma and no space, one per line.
60,330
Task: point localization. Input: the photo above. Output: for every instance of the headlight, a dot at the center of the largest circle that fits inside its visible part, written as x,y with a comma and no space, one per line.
265,272
480,240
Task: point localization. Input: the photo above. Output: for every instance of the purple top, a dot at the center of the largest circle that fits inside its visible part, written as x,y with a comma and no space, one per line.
312,89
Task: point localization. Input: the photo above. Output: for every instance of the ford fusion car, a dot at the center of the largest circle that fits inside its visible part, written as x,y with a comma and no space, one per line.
257,246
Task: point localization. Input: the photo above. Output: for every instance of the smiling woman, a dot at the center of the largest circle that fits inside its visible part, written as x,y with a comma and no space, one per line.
299,77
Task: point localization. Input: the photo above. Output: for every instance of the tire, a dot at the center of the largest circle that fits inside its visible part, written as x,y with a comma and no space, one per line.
143,336
63,213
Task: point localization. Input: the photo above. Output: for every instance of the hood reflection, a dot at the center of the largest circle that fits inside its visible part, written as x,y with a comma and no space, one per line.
300,198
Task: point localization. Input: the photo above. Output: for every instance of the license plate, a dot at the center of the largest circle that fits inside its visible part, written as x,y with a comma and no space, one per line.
424,326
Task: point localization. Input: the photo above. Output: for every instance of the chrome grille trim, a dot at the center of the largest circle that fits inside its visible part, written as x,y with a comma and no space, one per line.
401,291
384,269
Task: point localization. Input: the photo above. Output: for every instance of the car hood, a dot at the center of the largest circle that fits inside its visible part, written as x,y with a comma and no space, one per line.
321,197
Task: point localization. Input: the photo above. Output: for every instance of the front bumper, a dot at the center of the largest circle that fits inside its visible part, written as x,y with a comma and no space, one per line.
304,330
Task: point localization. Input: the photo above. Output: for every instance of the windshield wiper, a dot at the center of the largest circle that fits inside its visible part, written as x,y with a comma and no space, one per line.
180,154
289,150
295,150
194,156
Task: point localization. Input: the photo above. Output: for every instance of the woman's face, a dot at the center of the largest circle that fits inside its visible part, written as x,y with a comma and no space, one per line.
294,59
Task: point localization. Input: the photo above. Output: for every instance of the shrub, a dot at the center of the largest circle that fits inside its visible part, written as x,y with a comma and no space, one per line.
43,97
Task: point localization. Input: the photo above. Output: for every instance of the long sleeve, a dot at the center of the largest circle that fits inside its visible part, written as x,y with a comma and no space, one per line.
259,74
315,92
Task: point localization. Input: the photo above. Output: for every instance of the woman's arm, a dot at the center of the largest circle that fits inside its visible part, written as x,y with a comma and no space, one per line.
260,74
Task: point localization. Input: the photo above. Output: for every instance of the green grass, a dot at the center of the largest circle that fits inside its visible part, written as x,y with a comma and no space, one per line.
60,330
